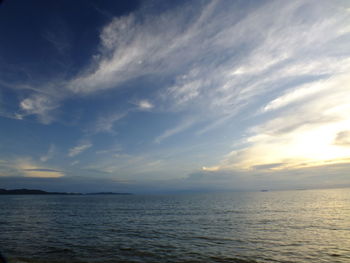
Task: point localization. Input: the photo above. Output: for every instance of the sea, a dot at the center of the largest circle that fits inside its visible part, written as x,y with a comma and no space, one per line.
243,227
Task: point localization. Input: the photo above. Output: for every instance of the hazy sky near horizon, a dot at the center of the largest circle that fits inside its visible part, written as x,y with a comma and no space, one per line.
174,95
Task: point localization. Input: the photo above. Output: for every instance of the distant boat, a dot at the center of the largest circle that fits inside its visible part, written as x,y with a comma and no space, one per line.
264,190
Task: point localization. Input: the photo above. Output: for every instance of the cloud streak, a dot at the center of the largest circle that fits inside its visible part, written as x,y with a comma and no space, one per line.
49,155
26,167
343,138
306,133
39,105
81,147
144,105
175,130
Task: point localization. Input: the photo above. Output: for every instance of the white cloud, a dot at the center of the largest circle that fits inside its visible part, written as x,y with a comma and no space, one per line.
309,91
175,130
343,138
106,123
116,148
26,167
283,49
81,147
221,59
217,60
75,162
49,155
40,105
144,105
224,64
312,131
132,49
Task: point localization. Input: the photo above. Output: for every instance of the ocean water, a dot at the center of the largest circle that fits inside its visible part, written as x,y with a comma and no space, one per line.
287,226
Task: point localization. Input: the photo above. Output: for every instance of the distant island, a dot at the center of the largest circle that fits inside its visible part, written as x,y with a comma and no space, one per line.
32,192
108,193
41,192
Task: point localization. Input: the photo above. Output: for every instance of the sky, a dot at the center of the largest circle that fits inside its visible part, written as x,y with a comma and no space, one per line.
152,96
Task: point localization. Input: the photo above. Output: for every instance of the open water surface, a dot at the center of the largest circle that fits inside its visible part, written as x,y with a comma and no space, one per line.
289,226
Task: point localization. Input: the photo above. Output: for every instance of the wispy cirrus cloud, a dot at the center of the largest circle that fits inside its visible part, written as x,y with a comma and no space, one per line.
49,155
58,40
39,105
106,122
276,69
81,147
343,138
309,129
221,60
283,49
175,130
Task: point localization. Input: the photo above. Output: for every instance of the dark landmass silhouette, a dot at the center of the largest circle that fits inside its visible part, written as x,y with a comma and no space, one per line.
108,193
32,192
41,192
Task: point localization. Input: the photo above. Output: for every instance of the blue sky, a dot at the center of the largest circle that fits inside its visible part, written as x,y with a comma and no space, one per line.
149,96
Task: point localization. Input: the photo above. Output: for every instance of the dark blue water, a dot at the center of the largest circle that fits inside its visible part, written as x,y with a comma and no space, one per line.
289,226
